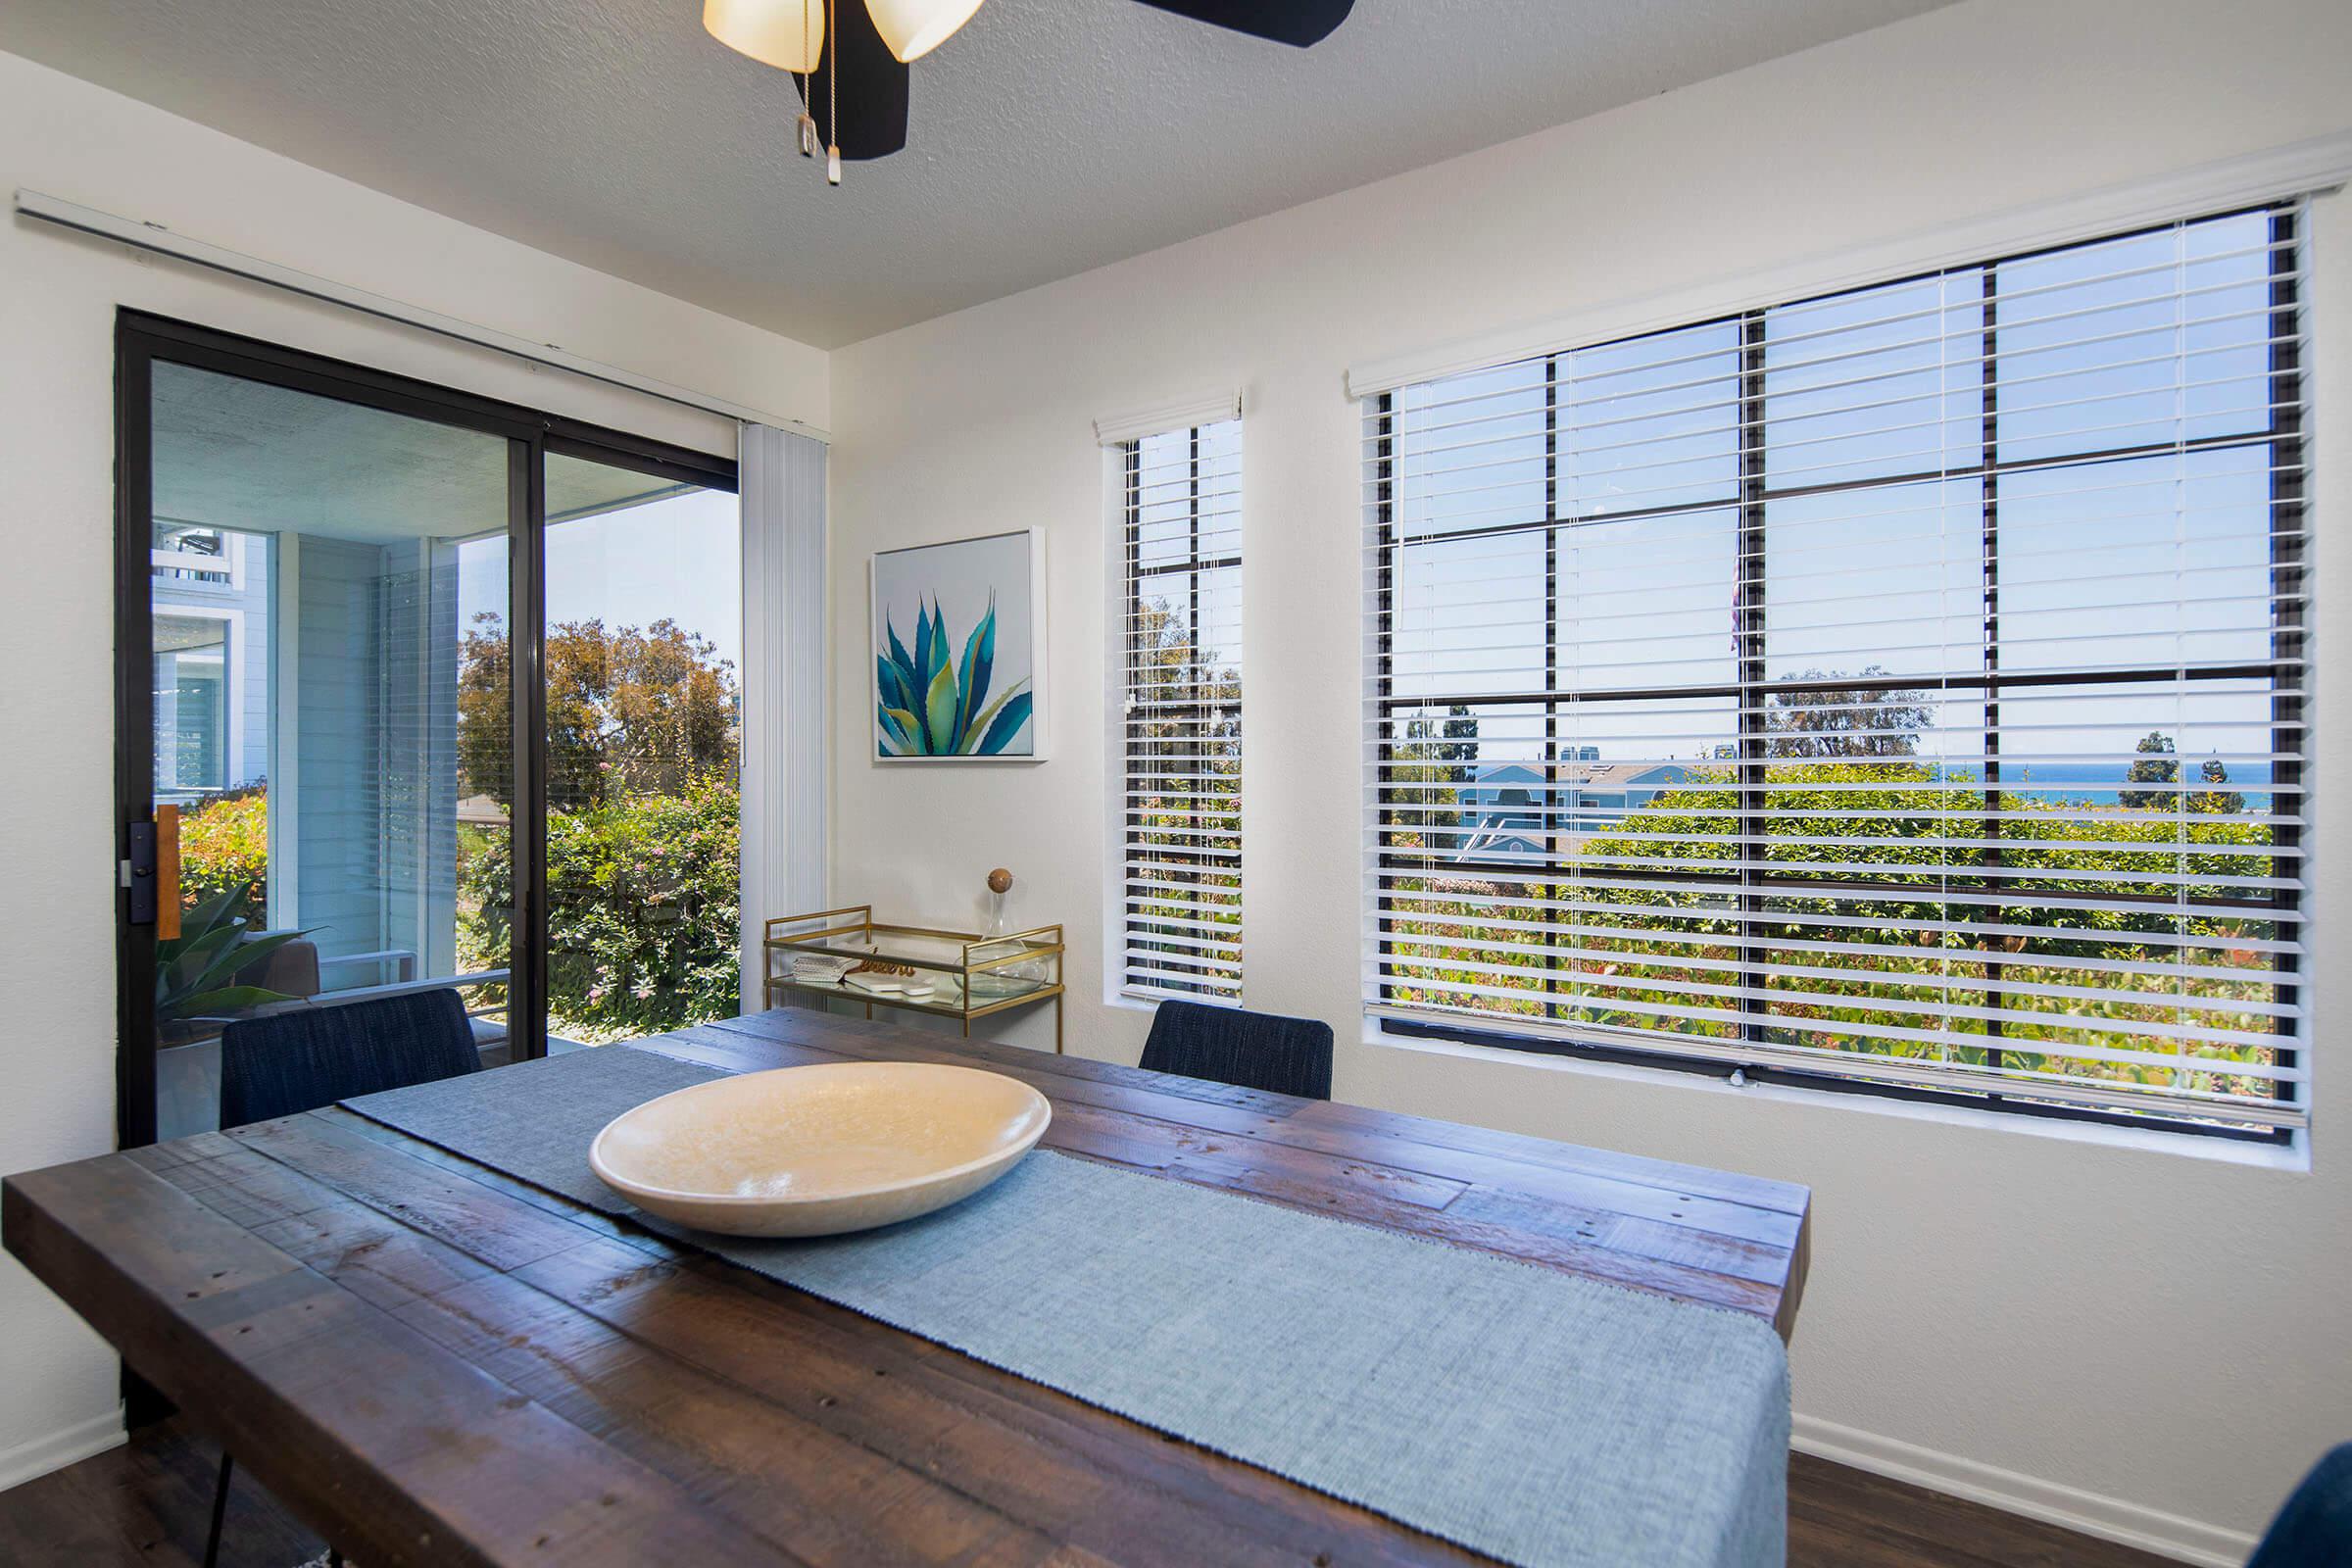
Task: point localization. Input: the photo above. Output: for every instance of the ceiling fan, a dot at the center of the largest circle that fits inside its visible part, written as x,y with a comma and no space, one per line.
849,58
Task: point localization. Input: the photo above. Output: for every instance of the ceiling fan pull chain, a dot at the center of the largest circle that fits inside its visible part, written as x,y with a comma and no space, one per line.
832,93
808,124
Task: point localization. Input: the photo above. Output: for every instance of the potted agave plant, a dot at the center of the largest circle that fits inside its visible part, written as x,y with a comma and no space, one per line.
196,972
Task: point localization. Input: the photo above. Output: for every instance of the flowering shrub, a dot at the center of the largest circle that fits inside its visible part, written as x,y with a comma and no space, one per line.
1635,948
225,843
642,911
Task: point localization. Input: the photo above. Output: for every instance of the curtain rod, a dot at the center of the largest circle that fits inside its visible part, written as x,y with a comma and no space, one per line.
163,241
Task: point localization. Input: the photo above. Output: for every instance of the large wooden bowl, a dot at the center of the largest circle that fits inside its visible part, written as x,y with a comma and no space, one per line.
821,1149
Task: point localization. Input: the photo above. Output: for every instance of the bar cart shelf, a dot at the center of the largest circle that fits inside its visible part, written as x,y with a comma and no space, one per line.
973,975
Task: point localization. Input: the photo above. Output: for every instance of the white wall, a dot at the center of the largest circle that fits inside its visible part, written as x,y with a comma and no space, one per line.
2146,1340
58,297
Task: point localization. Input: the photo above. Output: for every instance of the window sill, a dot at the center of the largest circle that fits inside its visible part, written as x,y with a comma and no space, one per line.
1149,1001
2293,1156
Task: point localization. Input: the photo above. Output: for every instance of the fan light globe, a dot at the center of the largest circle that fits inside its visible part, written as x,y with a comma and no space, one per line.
915,28
788,34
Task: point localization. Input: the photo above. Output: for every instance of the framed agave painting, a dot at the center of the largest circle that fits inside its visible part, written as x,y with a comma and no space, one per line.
960,651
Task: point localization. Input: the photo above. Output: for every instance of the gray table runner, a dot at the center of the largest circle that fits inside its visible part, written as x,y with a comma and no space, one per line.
1532,1415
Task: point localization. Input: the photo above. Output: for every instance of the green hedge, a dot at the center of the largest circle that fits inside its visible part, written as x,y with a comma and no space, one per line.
1639,947
225,843
643,913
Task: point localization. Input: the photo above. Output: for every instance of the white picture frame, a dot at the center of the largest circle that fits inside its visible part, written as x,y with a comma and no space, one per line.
959,582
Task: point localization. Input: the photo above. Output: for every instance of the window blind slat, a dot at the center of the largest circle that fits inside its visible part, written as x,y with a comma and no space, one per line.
1904,683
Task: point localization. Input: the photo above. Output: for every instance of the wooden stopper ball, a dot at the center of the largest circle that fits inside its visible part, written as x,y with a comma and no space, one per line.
999,880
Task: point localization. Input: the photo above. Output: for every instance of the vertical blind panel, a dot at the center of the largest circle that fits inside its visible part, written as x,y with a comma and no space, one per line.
1905,683
1180,650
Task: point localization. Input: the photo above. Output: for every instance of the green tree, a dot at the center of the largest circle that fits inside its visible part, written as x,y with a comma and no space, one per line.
485,712
1428,770
2213,797
629,710
1826,718
643,911
2156,766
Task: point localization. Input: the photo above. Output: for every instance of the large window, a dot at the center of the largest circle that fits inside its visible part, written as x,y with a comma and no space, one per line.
1900,688
1180,729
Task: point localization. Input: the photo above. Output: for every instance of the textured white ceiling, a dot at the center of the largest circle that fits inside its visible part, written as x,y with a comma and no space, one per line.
1050,136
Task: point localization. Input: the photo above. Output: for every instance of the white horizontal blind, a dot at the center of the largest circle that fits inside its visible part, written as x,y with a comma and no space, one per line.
1902,684
1180,771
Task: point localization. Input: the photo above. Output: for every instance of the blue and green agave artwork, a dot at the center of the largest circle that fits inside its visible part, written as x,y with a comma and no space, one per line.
930,704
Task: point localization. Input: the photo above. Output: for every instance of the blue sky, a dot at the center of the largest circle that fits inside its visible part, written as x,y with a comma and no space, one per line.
678,557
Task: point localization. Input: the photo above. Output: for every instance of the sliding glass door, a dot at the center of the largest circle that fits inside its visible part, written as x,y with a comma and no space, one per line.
345,775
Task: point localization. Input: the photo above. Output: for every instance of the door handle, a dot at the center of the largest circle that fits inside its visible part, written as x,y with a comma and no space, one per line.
167,873
154,868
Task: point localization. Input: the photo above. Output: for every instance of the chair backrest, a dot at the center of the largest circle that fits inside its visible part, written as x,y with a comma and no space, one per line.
299,1059
1250,1049
291,969
2314,1528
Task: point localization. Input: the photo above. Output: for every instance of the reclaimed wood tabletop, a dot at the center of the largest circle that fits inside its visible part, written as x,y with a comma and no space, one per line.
432,1362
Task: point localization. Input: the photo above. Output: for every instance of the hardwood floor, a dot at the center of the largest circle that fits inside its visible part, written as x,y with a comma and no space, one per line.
1843,1518
148,1502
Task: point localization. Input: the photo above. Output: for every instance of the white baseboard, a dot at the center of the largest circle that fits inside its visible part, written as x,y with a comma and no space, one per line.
2109,1518
58,1449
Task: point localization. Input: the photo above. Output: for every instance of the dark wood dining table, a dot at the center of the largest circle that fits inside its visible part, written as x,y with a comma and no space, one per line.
435,1363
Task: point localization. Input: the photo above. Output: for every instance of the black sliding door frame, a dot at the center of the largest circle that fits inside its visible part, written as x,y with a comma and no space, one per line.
531,434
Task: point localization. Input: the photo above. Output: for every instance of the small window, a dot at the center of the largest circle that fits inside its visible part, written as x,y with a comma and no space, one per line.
192,706
1180,727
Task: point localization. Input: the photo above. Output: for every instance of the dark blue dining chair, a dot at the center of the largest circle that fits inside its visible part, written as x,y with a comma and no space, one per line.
286,1062
282,1063
1249,1050
2314,1528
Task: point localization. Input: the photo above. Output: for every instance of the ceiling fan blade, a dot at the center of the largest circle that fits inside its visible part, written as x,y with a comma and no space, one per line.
1299,23
873,87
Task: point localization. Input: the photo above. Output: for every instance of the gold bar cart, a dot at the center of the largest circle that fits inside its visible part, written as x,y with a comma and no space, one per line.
975,975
